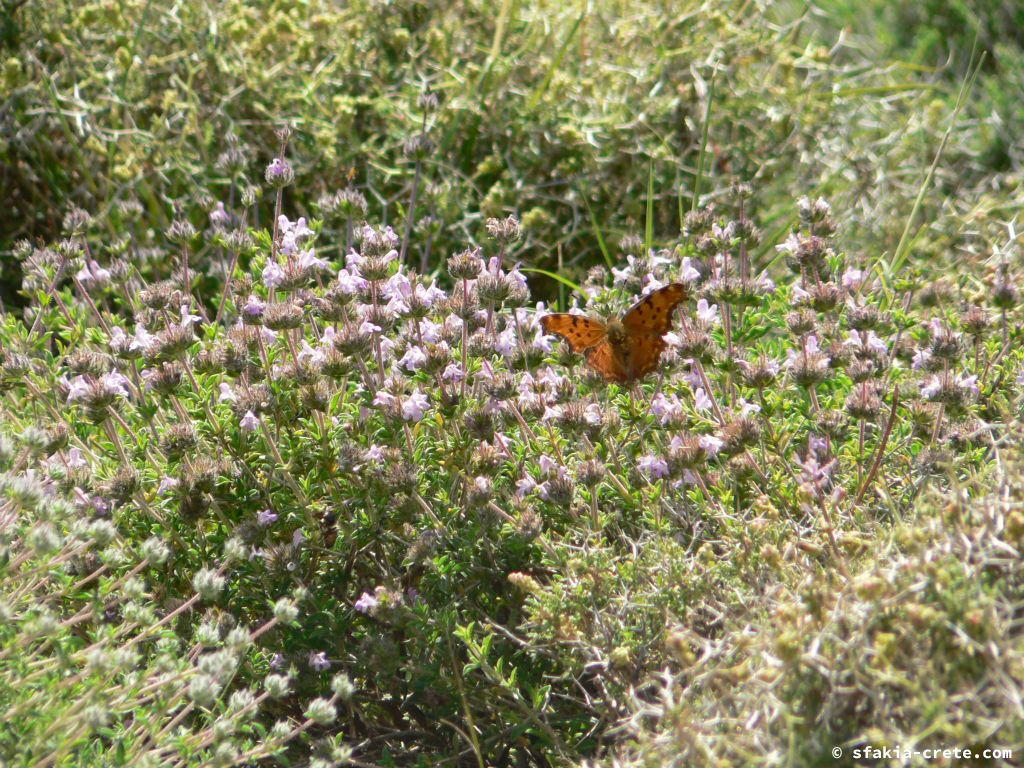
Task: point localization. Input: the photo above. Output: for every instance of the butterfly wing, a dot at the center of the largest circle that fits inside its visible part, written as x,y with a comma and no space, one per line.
603,359
653,313
646,323
582,333
644,353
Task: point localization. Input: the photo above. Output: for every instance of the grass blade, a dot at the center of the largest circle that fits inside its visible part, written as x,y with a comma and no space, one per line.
703,143
559,278
597,233
649,224
903,247
537,94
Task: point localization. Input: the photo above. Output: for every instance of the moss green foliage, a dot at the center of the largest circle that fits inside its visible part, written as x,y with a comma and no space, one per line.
290,474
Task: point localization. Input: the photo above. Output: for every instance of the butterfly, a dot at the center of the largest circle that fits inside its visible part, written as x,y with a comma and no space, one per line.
625,349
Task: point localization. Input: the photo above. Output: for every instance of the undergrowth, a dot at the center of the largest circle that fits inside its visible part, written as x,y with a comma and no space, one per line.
346,511
290,474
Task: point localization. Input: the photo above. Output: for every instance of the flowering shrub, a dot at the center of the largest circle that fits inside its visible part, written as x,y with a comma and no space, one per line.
341,510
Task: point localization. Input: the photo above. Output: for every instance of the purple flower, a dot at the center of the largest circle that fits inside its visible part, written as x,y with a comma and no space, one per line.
367,327
115,383
118,337
413,359
505,344
525,485
278,662
930,388
249,422
853,279
384,399
414,406
277,169
266,517
814,474
552,413
431,331
298,230
653,466
746,409
688,274
516,277
723,234
620,276
397,306
710,444
707,314
187,318
366,603
453,372
968,384
429,295
542,341
311,353
318,661
350,281
254,306
227,395
876,344
869,341
651,284
547,464
219,218
550,379
795,357
78,389
666,409
397,286
93,273
791,244
921,358
818,446
142,340
701,401
76,459
309,260
692,376
272,275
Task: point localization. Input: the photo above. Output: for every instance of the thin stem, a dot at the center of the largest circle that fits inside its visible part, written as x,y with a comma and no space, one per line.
881,446
411,212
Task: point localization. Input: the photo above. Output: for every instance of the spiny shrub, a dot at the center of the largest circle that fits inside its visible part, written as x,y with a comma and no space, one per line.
340,511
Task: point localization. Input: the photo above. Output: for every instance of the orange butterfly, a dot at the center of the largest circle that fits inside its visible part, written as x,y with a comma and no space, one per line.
622,350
